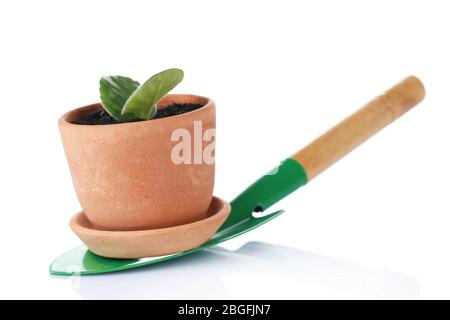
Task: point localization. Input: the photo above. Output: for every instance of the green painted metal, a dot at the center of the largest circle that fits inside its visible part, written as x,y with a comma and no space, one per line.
287,177
266,191
80,261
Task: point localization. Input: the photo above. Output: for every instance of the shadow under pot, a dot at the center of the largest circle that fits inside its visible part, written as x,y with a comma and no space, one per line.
147,174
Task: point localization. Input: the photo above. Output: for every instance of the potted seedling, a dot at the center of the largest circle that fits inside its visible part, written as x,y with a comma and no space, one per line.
142,159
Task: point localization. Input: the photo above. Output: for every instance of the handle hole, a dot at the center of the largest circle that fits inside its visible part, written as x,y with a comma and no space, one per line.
258,209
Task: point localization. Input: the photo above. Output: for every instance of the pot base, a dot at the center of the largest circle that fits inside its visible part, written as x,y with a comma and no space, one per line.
153,242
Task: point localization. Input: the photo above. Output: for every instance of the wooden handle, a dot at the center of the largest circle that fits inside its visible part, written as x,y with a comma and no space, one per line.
364,123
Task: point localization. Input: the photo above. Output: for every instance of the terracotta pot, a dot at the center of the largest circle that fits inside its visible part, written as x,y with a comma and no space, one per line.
124,175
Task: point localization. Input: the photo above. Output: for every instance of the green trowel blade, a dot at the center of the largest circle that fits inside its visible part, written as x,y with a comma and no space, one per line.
263,193
81,261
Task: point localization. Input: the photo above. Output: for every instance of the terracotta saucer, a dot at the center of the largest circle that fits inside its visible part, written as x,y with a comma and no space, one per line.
153,242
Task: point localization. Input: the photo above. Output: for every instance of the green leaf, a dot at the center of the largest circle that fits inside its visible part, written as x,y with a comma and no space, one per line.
142,103
114,93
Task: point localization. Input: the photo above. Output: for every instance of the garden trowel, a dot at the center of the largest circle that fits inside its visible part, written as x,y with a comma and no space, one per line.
288,176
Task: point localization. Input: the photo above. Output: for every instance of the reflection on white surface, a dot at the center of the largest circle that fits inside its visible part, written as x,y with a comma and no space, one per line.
256,270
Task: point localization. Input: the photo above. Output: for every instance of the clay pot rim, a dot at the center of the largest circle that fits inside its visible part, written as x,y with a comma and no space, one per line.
222,211
69,116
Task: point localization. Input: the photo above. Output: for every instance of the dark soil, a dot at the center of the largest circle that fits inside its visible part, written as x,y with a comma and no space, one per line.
100,117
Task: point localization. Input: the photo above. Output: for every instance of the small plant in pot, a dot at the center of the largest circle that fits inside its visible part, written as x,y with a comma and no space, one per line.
142,159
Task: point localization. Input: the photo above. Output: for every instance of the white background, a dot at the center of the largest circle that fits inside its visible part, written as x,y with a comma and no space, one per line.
375,225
